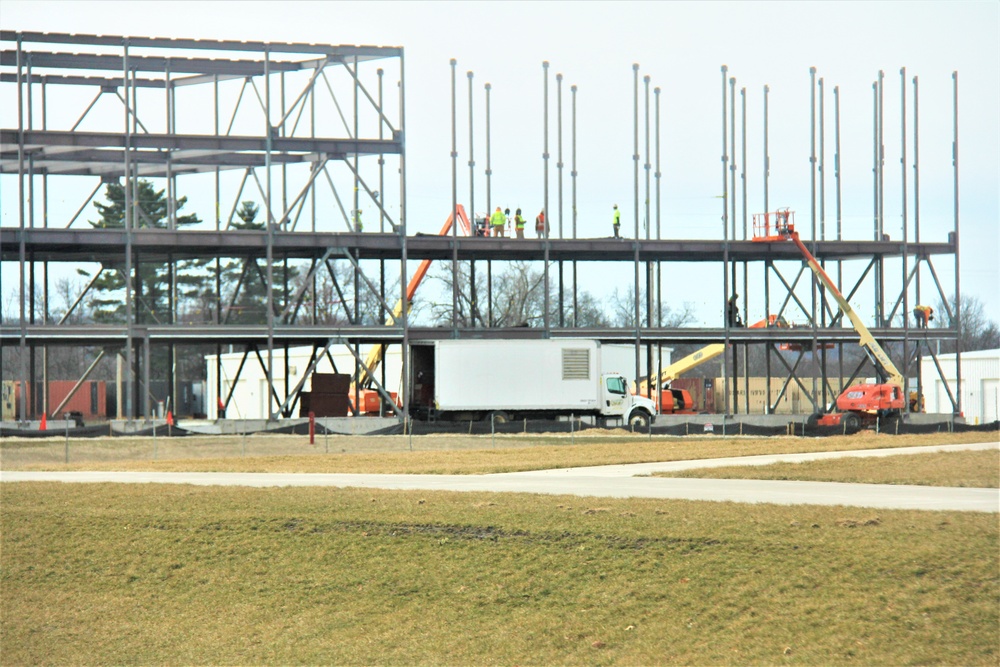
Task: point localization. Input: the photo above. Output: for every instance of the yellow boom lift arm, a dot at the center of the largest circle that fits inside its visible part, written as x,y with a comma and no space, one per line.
784,229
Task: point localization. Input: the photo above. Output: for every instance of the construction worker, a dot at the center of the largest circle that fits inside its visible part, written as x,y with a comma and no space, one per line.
540,227
519,224
222,409
357,221
923,315
498,220
617,221
733,311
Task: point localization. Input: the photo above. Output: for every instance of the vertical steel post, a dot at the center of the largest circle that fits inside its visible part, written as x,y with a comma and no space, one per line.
474,306
647,224
767,266
548,219
381,210
732,176
45,270
635,239
725,247
217,314
32,371
812,166
958,274
489,209
270,232
822,236
573,172
147,408
746,289
404,316
840,223
906,234
657,175
880,303
559,171
916,231
130,406
875,216
355,85
454,209
22,246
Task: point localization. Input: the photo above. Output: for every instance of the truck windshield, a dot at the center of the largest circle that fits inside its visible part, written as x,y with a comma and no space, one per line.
616,385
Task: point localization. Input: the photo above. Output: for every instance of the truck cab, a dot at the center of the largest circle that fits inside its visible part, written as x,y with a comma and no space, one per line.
618,401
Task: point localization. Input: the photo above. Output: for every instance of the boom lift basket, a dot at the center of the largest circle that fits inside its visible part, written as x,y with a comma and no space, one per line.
775,226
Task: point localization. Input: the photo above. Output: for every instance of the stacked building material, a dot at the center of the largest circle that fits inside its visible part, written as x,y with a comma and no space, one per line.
328,397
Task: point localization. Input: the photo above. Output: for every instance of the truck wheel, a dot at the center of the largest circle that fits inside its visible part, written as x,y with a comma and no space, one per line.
813,421
498,417
638,419
851,422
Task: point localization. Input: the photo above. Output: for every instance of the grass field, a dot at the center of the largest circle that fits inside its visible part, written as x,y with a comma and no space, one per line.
157,574
440,454
980,469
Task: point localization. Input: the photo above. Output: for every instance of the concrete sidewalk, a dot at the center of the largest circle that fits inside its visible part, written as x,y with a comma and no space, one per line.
618,481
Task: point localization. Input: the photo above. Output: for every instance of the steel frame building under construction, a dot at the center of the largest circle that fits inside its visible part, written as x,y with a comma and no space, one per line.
313,127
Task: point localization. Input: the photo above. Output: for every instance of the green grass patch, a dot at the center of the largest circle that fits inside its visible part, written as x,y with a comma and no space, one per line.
151,574
977,469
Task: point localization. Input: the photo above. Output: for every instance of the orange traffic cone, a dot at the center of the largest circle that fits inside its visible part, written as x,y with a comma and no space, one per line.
170,418
41,427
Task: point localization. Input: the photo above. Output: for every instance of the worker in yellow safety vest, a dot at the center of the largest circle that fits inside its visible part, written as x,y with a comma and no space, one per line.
519,224
498,220
617,221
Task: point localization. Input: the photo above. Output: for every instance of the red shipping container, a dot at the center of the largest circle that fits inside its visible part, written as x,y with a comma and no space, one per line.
90,400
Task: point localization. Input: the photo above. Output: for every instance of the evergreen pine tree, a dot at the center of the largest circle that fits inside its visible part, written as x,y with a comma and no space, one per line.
152,289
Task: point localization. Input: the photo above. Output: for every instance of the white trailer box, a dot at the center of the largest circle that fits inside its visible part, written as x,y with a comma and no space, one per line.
516,374
530,378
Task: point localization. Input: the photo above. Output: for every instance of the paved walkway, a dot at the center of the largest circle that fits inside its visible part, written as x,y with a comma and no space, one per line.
616,481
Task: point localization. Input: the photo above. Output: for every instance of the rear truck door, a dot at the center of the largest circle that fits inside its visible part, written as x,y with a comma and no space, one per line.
614,390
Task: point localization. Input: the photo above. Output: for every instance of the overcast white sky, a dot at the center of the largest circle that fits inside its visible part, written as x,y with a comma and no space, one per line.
681,46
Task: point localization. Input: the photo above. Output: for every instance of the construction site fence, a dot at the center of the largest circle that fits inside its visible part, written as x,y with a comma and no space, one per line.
528,427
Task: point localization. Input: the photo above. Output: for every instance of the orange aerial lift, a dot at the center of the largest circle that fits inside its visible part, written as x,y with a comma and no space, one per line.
368,400
679,401
859,405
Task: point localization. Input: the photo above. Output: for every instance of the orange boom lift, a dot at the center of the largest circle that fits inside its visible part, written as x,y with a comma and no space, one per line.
859,405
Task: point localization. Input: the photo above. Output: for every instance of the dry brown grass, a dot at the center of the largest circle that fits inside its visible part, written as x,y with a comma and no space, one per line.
978,469
98,574
442,454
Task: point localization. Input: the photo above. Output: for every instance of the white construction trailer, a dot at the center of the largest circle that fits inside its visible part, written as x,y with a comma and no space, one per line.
980,385
249,400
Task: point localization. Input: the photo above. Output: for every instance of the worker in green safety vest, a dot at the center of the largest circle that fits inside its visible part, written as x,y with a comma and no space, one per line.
498,220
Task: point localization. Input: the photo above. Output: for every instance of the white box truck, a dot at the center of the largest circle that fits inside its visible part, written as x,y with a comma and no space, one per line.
522,379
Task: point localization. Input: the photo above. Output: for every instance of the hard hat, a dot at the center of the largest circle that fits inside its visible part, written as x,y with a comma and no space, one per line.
519,211
616,206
